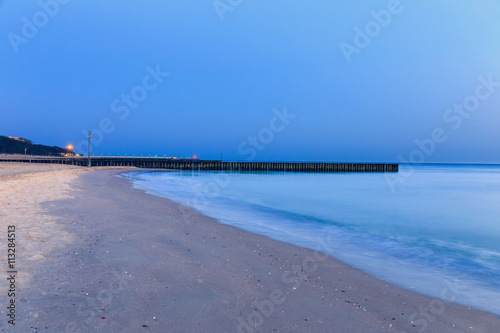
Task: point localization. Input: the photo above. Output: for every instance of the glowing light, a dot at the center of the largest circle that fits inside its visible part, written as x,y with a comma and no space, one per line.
69,147
194,156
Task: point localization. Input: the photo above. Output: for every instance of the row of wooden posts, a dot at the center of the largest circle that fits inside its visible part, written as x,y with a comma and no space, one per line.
190,164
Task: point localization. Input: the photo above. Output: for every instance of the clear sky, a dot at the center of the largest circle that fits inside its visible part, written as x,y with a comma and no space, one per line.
264,80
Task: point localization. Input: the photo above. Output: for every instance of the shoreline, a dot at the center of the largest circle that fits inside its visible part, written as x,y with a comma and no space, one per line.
137,259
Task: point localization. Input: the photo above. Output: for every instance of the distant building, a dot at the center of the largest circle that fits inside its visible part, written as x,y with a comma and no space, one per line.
18,139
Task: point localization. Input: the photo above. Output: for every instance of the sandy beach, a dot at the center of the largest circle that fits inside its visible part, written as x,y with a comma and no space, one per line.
96,255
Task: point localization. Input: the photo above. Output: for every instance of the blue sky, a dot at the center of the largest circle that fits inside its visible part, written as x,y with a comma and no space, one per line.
229,79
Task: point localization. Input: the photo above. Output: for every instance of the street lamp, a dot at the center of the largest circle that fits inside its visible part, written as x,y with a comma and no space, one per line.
90,136
69,148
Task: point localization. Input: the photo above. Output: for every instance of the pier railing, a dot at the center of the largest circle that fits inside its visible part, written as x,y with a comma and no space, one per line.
193,164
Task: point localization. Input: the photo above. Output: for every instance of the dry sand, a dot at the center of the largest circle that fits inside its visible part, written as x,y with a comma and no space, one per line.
23,189
109,258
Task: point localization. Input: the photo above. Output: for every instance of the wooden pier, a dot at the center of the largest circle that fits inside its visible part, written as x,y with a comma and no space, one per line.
206,165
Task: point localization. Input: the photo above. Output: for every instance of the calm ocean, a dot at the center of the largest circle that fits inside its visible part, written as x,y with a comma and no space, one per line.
437,232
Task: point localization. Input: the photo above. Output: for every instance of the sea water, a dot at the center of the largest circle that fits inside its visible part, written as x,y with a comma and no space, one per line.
433,229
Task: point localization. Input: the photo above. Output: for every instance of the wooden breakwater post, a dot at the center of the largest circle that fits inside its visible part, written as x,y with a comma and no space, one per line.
210,165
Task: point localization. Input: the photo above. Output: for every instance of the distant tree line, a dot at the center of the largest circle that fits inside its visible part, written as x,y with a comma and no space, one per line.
18,145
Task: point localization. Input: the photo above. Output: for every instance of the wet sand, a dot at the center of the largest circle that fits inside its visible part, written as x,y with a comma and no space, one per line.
121,260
